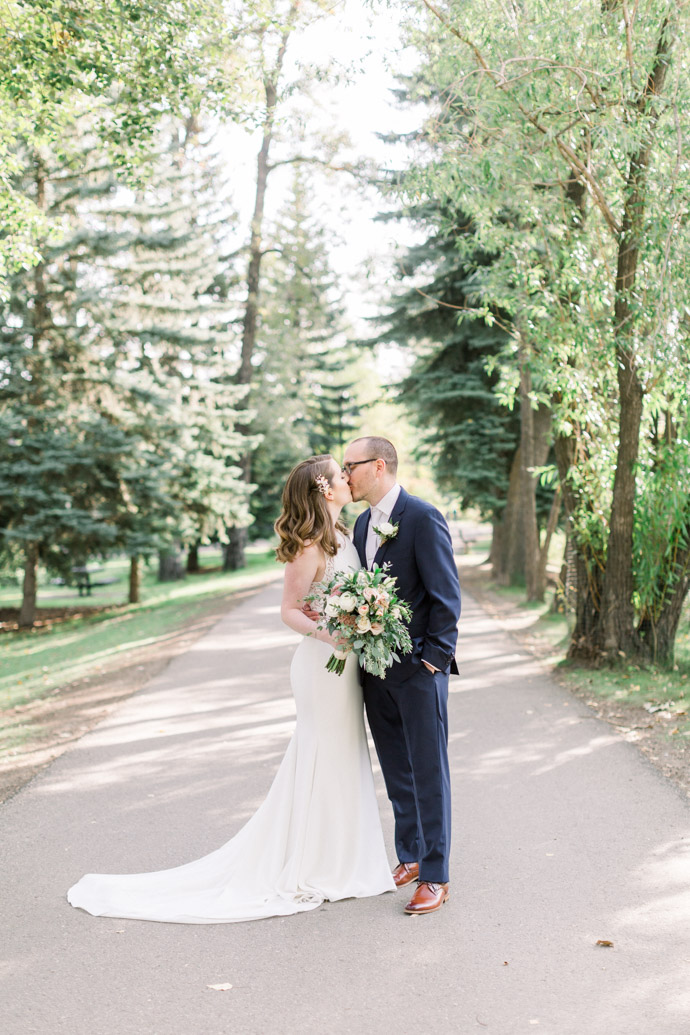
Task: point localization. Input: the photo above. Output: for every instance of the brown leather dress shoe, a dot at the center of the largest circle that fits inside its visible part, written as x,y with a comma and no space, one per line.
405,873
428,897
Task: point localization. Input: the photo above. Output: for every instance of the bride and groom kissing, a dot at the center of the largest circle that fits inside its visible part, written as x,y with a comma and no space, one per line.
317,836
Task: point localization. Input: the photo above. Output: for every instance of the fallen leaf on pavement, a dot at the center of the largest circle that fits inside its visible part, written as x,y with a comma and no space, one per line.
604,943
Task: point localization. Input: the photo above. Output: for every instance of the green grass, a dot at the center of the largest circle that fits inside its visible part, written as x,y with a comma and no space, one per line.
33,664
635,686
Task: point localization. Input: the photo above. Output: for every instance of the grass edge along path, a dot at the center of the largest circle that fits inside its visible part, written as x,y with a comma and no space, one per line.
43,712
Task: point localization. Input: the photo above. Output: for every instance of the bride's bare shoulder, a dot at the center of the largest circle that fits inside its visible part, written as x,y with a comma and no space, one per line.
310,561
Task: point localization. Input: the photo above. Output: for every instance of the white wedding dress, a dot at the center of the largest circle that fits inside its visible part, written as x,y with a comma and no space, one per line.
316,836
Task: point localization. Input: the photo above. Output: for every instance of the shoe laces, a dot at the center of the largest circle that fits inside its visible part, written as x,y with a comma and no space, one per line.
432,885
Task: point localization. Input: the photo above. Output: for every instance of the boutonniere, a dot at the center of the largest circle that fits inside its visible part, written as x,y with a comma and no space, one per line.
386,531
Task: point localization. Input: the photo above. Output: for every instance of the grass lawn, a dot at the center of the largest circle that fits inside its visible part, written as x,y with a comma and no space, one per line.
34,663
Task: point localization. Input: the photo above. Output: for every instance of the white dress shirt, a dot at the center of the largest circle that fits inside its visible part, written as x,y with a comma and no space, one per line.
381,512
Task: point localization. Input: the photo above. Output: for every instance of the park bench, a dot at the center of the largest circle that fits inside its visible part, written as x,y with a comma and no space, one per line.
85,583
466,540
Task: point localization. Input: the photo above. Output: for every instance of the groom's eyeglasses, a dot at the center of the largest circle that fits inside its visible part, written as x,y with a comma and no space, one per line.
347,468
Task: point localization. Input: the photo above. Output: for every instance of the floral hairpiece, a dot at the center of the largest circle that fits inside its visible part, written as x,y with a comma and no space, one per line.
322,483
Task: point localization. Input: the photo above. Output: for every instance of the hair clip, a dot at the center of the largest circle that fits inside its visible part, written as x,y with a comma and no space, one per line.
322,484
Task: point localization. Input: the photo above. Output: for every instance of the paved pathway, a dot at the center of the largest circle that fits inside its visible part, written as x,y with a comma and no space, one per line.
563,835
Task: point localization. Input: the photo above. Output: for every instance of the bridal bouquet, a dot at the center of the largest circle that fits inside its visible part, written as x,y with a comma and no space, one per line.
363,609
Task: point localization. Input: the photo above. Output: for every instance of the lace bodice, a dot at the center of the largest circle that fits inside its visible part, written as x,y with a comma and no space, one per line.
346,559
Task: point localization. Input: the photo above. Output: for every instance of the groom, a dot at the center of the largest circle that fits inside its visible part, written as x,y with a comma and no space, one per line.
408,710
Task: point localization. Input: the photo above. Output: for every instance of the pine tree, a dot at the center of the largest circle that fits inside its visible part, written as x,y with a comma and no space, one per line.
477,444
301,354
117,430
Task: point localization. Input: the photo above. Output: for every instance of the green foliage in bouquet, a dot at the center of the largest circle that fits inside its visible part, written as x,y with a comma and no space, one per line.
363,610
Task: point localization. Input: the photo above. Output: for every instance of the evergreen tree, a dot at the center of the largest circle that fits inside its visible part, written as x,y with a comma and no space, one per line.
300,356
116,429
479,446
469,435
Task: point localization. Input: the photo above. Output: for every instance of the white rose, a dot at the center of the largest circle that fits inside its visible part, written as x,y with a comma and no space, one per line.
331,610
386,528
363,624
376,628
348,601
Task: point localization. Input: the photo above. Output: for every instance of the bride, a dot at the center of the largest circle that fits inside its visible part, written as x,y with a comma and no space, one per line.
317,835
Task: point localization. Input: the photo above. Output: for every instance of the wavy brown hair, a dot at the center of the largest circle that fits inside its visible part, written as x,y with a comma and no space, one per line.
305,518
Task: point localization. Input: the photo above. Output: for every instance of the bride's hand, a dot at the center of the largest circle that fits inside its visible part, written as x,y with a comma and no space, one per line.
311,614
334,642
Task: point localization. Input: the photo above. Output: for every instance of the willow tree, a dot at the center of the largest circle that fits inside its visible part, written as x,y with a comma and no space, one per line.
584,108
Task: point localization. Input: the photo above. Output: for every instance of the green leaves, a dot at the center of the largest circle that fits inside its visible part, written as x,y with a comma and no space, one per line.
559,132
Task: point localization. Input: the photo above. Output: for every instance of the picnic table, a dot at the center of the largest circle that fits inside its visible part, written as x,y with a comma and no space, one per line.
85,583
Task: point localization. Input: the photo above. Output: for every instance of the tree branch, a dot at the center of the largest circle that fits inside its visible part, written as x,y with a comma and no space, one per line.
566,151
307,160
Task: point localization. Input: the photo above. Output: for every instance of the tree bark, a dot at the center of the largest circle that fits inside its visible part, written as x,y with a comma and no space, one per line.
233,551
587,566
193,559
170,567
528,481
27,613
617,635
234,554
657,631
34,361
660,637
554,514
134,580
508,557
496,547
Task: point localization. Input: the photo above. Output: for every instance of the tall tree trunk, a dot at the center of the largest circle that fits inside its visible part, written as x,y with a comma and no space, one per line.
495,551
34,361
528,481
617,634
657,629
659,637
170,568
27,613
134,580
233,554
588,566
508,558
233,550
193,559
548,536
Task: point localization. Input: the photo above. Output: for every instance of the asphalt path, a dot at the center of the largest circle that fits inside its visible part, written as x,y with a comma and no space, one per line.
563,836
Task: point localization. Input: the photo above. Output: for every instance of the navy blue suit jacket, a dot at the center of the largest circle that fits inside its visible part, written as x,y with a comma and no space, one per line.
421,559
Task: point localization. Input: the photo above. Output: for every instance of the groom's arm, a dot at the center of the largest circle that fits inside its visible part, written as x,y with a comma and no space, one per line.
439,574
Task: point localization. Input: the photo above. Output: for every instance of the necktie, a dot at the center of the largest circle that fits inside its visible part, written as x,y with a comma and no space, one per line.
372,538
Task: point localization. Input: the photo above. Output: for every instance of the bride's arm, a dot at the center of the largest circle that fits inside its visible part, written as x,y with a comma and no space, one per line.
299,575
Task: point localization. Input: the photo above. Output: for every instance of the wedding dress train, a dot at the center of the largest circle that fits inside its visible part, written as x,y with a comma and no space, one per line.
316,836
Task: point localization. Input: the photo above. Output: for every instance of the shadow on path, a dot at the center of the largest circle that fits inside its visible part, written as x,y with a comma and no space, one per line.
563,835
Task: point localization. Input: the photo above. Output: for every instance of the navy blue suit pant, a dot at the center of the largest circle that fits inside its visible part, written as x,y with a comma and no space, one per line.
409,724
